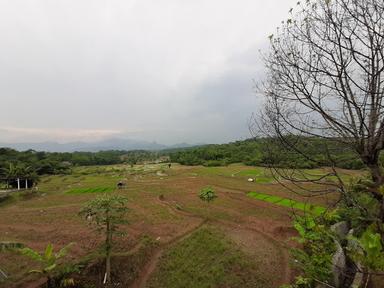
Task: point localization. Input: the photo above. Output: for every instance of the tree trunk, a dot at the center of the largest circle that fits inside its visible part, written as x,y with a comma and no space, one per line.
108,267
366,278
377,173
108,252
51,282
371,159
378,180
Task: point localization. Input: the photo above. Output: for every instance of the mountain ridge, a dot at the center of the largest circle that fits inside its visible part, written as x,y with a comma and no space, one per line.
103,145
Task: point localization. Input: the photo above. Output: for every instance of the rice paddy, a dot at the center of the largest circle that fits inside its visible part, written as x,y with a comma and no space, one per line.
306,207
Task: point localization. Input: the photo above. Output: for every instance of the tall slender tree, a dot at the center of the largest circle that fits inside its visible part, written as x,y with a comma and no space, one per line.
107,212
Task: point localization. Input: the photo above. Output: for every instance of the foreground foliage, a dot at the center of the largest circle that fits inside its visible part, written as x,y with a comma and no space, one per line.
48,262
361,242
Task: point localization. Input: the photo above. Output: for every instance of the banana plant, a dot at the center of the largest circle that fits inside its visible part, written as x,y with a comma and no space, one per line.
48,260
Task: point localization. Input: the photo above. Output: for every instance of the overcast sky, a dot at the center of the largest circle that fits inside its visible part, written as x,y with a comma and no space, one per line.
169,71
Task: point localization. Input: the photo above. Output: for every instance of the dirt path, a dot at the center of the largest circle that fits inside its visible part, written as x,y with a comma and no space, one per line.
148,269
151,265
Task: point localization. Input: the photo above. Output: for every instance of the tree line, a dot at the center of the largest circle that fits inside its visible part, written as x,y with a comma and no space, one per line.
258,152
29,165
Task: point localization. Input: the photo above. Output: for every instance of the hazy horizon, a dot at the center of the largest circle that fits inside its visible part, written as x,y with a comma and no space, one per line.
165,71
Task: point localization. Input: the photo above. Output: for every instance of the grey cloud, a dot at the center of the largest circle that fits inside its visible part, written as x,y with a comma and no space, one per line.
171,71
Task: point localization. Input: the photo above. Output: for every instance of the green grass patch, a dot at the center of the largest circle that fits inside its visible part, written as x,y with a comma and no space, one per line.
317,210
260,174
91,190
256,171
207,259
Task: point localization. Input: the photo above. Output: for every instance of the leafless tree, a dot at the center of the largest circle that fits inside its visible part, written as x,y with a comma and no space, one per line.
325,78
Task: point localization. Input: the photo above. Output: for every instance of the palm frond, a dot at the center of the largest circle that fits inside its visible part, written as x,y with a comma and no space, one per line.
64,251
31,254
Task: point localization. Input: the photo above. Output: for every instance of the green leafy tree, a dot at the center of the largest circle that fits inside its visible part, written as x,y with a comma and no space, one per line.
48,260
107,212
13,171
207,194
10,172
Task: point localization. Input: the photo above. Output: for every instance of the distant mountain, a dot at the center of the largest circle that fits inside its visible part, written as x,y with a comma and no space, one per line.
109,144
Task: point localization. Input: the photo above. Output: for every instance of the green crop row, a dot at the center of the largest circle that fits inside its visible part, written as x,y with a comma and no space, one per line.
287,203
90,190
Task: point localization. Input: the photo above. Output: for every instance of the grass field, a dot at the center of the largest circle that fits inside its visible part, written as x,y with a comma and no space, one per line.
163,206
207,259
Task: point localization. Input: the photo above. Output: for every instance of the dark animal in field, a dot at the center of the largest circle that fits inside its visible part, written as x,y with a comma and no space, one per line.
121,185
169,165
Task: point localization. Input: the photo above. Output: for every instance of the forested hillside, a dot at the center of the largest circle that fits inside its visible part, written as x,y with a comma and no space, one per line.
258,152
